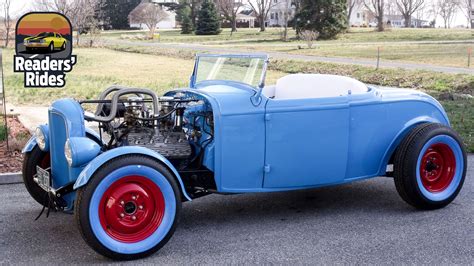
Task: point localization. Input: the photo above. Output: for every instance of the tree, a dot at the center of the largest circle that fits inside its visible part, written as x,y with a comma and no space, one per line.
447,9
82,13
467,8
327,17
288,13
376,8
116,12
261,9
229,9
350,7
7,22
150,14
208,20
407,8
184,15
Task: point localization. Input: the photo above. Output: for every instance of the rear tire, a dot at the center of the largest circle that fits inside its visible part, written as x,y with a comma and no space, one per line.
430,166
30,160
129,208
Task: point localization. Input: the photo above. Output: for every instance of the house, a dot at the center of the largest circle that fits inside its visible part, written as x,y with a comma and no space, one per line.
276,14
168,23
398,21
360,16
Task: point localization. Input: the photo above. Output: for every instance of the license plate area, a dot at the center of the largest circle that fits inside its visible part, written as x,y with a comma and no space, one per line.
43,179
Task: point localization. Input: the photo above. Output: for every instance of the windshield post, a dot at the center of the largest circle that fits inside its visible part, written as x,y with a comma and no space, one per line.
257,98
193,75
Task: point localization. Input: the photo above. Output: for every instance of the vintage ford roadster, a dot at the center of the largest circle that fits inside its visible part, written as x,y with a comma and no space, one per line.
229,133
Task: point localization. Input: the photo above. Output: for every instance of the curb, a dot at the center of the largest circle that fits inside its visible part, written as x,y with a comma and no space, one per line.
10,178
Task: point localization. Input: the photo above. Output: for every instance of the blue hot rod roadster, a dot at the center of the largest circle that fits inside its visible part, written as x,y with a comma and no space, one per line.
229,133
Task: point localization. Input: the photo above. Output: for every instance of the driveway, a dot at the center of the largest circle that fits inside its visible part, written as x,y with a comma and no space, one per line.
359,223
281,55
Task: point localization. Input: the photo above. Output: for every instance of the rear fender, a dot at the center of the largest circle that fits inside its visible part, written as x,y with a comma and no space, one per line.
401,135
102,159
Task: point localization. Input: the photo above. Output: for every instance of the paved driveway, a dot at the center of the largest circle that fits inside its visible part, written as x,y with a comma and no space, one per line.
364,222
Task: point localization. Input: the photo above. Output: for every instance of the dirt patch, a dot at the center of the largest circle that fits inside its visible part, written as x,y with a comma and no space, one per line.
11,159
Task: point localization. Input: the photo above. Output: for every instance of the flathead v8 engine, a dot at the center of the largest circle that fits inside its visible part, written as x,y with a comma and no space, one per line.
178,127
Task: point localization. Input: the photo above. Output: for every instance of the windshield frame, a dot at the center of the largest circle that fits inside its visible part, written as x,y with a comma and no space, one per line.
261,82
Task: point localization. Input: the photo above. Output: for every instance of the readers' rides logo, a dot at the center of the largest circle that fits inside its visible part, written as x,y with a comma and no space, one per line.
44,49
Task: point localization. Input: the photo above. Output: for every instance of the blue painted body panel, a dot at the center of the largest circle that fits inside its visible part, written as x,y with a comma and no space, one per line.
302,143
276,145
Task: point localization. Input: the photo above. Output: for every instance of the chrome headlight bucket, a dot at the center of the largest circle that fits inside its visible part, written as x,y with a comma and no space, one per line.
68,152
41,136
80,151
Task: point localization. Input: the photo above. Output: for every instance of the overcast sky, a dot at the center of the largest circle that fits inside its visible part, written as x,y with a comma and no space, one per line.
19,7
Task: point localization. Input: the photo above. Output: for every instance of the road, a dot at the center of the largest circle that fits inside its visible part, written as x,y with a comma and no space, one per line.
282,55
364,222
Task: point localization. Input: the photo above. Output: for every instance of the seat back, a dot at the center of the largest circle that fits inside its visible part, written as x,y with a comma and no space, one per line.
304,86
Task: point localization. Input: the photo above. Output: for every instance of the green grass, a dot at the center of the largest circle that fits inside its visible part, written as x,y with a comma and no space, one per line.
428,46
273,35
461,116
447,54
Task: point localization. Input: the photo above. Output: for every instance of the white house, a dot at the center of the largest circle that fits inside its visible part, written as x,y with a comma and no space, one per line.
276,14
360,16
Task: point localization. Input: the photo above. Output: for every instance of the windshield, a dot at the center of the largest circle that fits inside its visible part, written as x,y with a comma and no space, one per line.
242,68
44,34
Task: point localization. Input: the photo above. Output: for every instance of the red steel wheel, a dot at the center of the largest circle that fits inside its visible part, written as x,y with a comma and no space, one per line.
131,209
437,168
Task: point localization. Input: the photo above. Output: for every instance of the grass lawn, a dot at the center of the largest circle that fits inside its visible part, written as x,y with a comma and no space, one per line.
273,35
452,54
401,45
161,70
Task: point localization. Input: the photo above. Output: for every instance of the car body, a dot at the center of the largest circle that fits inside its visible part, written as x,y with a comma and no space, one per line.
45,40
229,133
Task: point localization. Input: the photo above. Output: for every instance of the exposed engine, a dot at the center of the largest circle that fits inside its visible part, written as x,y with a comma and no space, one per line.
179,127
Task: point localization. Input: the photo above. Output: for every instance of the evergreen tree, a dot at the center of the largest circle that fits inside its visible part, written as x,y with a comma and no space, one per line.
116,12
184,15
208,19
327,17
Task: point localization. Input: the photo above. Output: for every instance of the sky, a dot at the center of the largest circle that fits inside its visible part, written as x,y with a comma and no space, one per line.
19,7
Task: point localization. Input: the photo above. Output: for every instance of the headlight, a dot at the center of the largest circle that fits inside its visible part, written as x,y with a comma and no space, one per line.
68,152
42,41
40,138
80,151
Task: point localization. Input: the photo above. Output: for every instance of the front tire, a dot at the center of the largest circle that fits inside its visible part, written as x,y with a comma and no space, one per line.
129,208
30,160
51,47
430,166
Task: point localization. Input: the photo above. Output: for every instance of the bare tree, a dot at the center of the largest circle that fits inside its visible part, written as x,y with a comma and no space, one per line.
376,7
7,22
64,7
82,13
407,8
149,14
467,7
288,12
350,7
261,9
447,9
229,9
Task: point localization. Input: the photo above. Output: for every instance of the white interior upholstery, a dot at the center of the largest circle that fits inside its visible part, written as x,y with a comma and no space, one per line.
303,86
269,91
